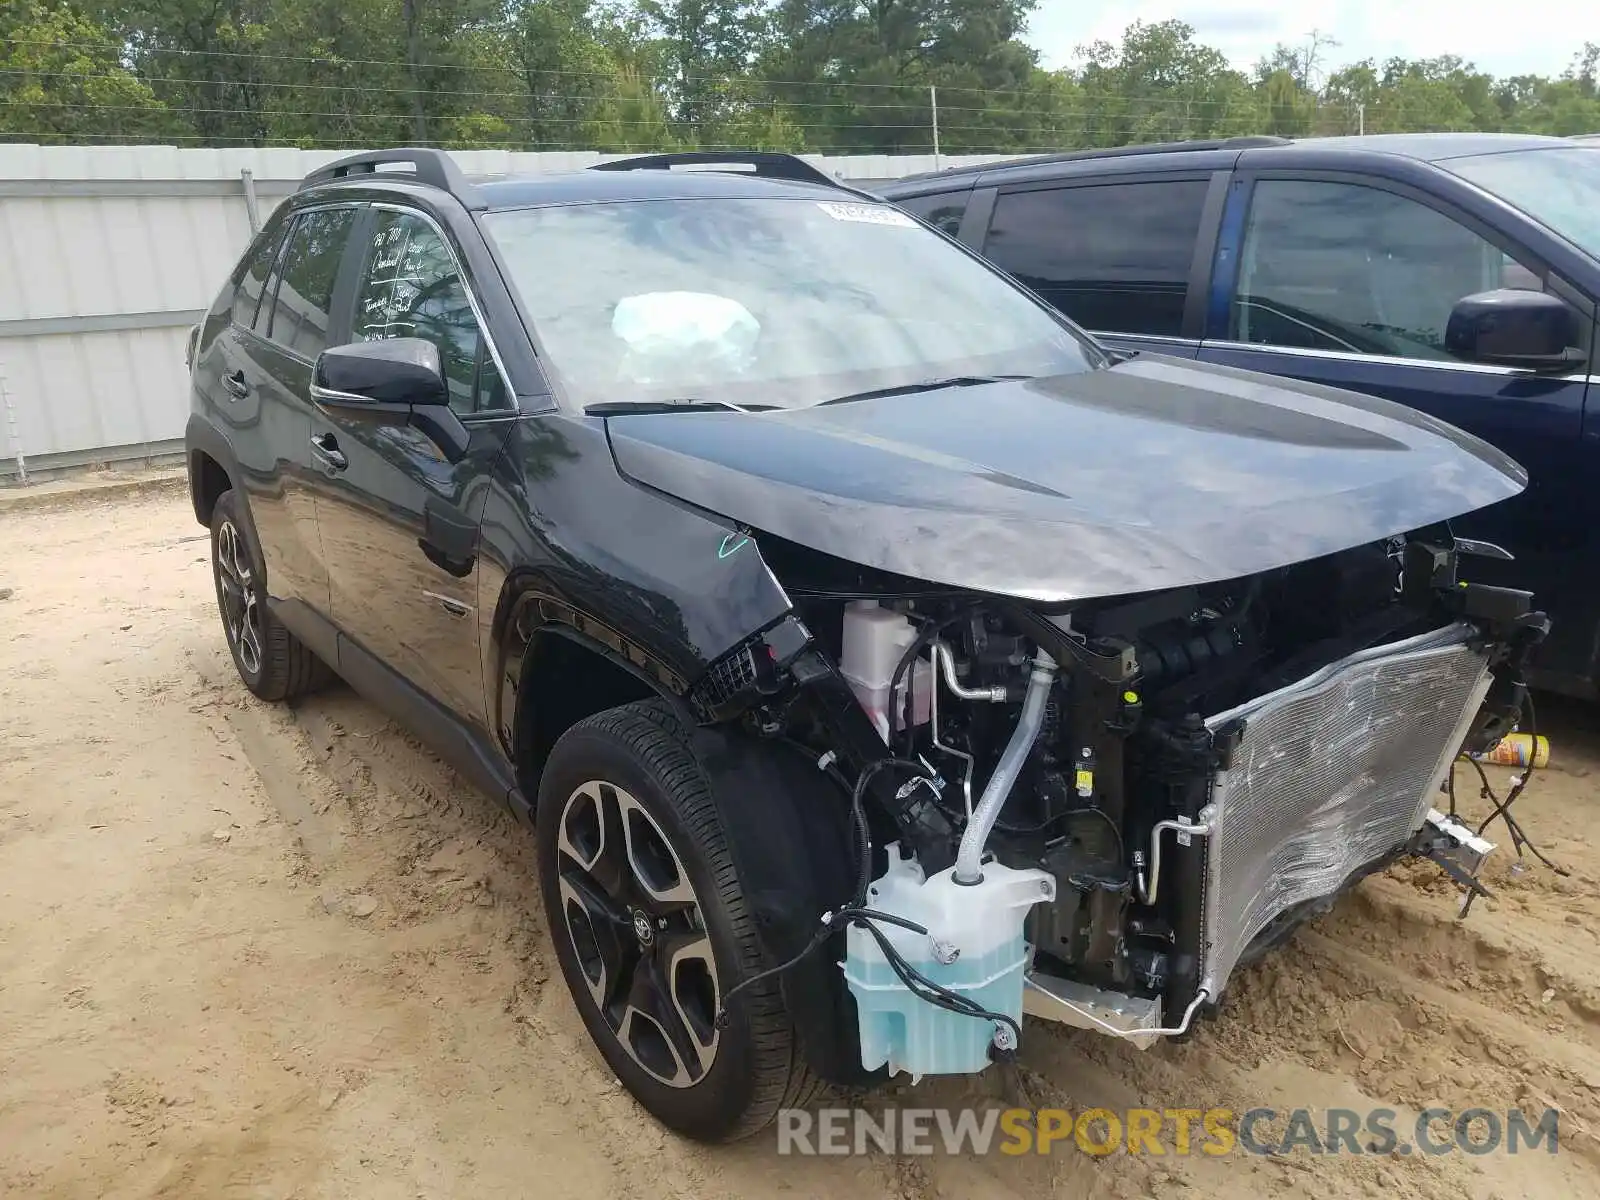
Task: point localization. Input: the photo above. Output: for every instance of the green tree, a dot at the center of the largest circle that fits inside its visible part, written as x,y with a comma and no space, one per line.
705,47
1425,95
1160,84
632,116
857,74
850,75
62,80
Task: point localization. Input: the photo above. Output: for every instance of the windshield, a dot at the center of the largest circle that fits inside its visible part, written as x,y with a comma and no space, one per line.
1559,188
765,302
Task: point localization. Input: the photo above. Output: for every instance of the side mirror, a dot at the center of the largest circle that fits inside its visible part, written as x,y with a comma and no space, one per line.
399,372
1510,327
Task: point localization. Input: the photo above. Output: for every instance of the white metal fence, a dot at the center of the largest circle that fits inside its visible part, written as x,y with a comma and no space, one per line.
109,253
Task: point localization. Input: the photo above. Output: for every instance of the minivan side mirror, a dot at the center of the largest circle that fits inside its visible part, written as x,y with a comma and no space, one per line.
1511,327
391,371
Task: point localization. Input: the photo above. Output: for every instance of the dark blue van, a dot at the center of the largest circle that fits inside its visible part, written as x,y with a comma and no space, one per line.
1456,273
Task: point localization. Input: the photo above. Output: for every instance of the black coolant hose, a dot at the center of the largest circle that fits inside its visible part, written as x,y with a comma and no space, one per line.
858,810
925,638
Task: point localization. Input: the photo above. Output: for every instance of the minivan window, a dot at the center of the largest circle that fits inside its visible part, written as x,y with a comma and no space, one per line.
1342,266
1113,257
765,302
299,319
1559,188
942,210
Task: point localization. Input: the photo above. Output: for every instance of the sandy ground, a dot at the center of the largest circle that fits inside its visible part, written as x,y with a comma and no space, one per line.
254,951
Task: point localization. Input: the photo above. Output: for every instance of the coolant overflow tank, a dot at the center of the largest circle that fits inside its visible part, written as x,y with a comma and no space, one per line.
974,946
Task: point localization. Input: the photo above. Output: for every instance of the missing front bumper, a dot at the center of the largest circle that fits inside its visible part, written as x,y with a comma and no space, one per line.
1327,775
1311,788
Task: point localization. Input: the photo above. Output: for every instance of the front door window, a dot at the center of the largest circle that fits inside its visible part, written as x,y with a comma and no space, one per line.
1345,267
413,288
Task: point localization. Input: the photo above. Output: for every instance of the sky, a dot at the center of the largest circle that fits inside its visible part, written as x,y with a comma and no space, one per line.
1477,30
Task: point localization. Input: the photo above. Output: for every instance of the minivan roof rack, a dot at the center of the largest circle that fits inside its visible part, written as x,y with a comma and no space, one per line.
429,166
767,163
1232,143
1032,160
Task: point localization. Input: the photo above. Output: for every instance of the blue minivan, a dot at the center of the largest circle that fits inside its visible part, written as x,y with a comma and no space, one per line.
1455,273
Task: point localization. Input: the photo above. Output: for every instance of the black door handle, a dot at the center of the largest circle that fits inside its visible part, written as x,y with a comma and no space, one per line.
236,383
326,447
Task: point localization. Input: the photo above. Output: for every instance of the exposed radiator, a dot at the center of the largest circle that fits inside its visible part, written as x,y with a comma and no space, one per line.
1332,773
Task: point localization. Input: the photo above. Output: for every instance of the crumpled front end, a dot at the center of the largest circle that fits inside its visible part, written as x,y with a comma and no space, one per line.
1100,811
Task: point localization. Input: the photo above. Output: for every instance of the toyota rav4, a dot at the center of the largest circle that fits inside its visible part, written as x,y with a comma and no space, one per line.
877,658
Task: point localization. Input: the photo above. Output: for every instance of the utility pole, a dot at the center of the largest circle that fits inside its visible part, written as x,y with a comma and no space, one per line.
933,99
1361,120
11,428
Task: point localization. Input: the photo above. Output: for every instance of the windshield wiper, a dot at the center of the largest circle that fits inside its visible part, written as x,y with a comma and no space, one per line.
606,408
925,385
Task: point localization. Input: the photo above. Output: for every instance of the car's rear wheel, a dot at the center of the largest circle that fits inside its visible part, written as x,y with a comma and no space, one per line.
271,661
651,928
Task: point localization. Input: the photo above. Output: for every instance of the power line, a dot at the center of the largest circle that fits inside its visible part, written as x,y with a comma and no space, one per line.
511,145
1062,124
1118,109
919,86
138,49
919,91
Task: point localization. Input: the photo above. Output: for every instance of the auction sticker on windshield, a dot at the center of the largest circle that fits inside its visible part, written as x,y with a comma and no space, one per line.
869,214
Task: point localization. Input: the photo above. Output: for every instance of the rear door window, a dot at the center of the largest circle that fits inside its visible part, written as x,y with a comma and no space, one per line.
1114,257
304,294
253,280
942,210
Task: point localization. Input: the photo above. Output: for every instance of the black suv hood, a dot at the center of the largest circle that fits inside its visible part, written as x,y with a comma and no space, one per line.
1155,473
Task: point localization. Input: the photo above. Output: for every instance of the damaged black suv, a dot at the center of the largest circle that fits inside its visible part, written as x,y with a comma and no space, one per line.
877,657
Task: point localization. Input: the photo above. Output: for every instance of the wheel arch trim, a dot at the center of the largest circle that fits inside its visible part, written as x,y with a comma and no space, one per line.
528,613
201,437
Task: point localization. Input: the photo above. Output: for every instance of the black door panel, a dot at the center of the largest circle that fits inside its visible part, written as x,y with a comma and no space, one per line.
400,587
262,382
284,508
399,516
237,380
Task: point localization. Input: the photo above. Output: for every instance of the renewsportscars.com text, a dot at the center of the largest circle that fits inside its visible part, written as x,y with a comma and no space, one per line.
1213,1132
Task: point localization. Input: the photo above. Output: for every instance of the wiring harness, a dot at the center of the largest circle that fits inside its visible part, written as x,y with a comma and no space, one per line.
1502,808
857,913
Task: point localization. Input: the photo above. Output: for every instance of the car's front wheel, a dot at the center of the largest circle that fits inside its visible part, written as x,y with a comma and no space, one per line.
651,928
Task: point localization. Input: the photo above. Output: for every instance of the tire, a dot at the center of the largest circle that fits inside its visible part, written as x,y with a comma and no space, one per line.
629,838
272,662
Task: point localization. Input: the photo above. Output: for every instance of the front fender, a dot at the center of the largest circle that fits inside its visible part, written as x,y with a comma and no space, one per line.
528,609
789,830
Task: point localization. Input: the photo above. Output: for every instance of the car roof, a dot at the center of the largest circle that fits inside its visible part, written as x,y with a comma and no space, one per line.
575,187
490,192
1435,147
1421,147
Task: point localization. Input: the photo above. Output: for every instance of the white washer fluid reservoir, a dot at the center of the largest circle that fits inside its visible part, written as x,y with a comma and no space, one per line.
974,946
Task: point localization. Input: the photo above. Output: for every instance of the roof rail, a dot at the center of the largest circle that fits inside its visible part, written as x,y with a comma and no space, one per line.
1232,143
429,166
768,164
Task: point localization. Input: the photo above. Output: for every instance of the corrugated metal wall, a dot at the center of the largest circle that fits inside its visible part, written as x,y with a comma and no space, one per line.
109,253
